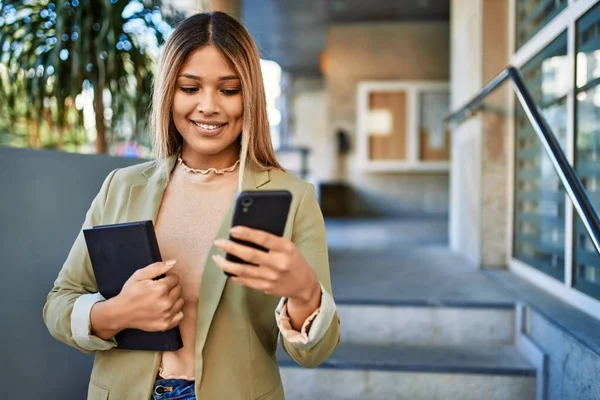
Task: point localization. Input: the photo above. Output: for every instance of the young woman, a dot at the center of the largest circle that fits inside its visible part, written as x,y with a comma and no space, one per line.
211,139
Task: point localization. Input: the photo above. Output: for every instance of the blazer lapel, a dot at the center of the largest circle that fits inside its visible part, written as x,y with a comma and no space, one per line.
144,202
213,278
145,198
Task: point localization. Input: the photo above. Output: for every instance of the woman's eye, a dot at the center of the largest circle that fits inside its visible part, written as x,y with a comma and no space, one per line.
230,92
188,89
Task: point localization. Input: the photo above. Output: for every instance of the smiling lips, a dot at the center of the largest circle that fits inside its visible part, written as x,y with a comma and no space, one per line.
209,129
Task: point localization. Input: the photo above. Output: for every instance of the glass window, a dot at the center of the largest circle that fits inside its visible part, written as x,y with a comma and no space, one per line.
533,15
586,262
539,216
434,136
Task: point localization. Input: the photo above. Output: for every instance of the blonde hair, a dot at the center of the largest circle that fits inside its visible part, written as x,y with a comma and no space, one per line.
240,51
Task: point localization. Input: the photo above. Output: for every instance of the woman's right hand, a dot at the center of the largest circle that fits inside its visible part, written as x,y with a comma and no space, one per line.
143,303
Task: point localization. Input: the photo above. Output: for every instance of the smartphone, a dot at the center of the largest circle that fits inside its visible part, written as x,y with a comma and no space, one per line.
265,210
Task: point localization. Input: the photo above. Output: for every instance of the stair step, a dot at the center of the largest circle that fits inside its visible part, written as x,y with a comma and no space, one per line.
426,325
360,371
498,360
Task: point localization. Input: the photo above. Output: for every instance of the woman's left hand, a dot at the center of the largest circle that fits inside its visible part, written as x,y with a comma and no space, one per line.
282,271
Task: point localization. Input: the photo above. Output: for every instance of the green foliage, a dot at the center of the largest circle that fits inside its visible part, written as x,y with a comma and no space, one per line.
58,56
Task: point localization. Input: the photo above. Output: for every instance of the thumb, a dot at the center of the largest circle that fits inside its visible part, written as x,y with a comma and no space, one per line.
155,270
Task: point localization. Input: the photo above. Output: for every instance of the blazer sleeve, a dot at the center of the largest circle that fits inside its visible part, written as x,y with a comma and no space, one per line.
309,236
75,279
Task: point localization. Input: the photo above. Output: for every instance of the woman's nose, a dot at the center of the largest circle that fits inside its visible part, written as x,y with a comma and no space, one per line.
207,103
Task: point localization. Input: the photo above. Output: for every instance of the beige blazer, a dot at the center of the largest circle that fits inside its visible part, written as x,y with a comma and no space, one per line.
237,332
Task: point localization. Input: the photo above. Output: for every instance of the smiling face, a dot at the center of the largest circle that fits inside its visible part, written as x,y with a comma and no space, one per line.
208,109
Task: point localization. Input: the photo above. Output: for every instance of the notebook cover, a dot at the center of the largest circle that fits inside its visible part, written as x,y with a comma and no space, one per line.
116,251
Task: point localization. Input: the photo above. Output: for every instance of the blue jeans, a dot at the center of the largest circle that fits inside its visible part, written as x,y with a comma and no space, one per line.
173,389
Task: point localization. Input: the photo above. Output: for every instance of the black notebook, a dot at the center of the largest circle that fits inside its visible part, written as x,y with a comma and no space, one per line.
116,252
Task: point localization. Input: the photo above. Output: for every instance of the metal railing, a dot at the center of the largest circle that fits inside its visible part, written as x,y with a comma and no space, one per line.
565,171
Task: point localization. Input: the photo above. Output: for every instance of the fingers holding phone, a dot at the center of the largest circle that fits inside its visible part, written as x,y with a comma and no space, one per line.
281,270
264,211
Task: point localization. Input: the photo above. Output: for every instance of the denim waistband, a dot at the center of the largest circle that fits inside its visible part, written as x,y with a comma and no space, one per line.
173,389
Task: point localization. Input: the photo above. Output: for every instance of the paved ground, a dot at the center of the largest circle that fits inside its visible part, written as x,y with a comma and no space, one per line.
404,262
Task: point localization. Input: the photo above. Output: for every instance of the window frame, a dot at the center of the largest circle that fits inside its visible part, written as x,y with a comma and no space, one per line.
413,90
566,20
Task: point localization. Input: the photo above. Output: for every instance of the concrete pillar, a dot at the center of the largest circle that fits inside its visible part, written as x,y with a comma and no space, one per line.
479,177
465,170
495,151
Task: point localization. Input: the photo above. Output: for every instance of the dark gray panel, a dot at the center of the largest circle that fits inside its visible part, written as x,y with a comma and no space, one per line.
44,196
349,11
292,33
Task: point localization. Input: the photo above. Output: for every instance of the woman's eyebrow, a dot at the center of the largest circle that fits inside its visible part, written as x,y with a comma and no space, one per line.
222,78
229,78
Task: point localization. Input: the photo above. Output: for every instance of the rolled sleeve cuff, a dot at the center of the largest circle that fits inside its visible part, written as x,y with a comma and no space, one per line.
314,327
81,325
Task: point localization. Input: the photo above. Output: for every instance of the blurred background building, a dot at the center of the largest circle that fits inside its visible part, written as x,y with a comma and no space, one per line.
459,263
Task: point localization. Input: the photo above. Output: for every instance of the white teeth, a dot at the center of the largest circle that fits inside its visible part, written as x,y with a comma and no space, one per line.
208,127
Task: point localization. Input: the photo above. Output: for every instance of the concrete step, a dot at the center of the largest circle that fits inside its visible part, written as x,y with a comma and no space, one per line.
423,324
360,371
